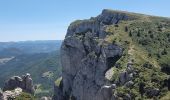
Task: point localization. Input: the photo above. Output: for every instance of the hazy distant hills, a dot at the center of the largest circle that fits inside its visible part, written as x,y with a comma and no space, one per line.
28,47
39,58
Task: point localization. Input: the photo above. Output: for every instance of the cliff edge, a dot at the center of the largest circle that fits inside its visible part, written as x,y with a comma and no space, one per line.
100,59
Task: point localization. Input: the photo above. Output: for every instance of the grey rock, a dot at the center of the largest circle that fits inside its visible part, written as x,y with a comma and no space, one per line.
83,26
129,64
25,83
113,86
1,95
108,51
109,17
58,93
86,57
105,93
123,77
130,69
129,84
97,25
84,69
114,97
29,87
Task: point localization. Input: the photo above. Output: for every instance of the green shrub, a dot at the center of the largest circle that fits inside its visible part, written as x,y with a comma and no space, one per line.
25,96
58,81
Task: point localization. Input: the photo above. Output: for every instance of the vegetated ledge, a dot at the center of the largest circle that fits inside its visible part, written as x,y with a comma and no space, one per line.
116,55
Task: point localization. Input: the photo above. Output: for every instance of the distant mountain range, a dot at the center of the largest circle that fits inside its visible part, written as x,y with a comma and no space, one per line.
28,47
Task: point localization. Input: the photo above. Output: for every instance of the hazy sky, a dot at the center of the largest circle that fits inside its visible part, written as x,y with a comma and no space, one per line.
48,19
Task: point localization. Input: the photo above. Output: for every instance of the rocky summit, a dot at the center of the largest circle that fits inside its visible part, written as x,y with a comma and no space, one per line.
116,55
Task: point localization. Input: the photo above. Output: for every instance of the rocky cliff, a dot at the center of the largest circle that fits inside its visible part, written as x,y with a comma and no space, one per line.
98,62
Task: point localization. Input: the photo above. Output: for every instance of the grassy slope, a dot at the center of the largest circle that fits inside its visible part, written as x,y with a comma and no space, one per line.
146,41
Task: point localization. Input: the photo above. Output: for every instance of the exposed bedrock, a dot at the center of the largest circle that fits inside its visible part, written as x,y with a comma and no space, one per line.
86,56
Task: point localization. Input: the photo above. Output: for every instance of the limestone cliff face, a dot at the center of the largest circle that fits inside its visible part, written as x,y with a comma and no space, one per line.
86,56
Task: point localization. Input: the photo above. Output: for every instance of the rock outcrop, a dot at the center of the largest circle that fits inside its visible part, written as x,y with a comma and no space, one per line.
86,56
25,83
112,57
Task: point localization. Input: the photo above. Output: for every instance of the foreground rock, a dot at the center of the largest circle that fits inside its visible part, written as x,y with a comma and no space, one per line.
25,83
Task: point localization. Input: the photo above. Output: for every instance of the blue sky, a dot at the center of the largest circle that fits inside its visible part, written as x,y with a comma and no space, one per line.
22,20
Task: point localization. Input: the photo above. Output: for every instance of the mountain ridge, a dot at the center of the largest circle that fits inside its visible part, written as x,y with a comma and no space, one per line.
120,56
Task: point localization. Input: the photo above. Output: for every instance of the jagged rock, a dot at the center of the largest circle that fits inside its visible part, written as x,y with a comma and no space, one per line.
106,92
25,83
97,25
82,79
124,77
108,17
130,69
